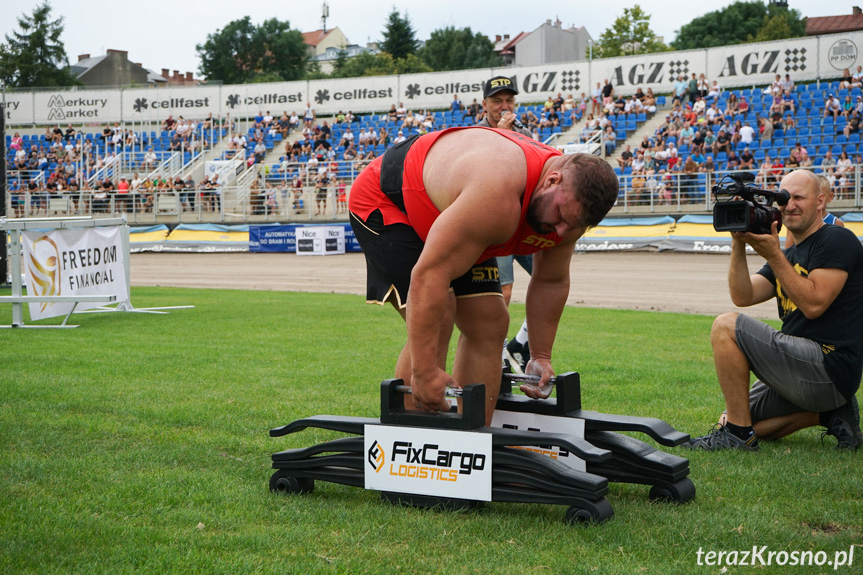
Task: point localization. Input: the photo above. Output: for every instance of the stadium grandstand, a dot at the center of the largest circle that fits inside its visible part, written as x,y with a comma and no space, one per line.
668,150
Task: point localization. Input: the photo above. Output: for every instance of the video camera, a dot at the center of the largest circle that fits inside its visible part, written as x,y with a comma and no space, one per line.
747,214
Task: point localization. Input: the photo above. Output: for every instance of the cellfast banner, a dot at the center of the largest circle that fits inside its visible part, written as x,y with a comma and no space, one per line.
84,261
743,65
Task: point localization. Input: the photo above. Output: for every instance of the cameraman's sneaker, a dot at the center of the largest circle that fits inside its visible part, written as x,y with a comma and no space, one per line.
844,424
518,355
721,438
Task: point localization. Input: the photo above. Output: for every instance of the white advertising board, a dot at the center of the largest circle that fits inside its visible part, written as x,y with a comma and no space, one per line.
425,461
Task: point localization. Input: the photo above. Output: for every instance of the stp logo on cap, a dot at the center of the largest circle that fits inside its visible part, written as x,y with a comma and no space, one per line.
497,83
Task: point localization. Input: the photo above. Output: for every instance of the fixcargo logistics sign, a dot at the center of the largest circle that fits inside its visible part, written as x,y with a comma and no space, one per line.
424,461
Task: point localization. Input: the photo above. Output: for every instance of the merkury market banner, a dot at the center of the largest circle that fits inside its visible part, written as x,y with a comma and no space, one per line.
744,65
86,261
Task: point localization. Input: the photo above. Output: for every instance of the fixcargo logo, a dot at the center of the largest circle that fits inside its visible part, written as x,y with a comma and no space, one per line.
68,108
428,461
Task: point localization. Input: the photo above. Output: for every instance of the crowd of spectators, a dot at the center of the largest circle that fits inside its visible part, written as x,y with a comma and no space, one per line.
707,131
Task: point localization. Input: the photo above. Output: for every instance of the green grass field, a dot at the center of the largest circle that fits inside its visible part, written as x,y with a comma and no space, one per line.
138,443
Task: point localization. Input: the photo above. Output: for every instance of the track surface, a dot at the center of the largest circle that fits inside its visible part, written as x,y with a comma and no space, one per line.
667,281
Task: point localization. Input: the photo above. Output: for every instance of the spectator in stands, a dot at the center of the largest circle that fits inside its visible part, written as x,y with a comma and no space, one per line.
341,196
596,100
723,142
309,116
844,165
322,183
762,178
746,133
607,93
383,138
679,89
649,101
777,170
847,107
747,160
149,159
714,114
608,140
625,158
569,104
765,127
853,125
789,104
400,137
832,106
408,121
557,102
733,161
529,119
456,105
692,89
260,151
805,159
347,138
846,80
857,78
637,162
792,163
686,134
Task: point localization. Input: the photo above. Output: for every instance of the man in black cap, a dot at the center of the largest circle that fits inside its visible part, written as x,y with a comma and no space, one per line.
498,100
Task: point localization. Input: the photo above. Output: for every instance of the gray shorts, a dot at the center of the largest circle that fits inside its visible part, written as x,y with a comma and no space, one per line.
790,371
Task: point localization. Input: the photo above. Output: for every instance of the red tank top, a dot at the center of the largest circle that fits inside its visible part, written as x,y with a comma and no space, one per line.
366,195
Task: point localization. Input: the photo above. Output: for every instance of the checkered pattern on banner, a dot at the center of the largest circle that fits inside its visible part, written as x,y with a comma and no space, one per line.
677,68
570,81
795,59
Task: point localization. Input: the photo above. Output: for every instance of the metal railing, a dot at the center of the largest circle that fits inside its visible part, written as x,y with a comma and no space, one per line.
293,194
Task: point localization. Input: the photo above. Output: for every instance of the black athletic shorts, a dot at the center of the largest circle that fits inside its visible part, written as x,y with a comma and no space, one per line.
391,254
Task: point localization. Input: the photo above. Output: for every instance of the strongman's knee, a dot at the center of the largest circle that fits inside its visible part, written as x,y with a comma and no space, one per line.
483,320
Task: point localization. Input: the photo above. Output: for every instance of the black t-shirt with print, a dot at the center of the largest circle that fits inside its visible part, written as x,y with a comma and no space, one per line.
838,330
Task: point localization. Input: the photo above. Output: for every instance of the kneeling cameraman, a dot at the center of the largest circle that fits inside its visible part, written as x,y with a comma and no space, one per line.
809,371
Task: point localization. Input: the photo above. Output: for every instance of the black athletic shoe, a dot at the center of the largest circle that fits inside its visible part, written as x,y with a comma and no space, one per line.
720,438
844,424
518,356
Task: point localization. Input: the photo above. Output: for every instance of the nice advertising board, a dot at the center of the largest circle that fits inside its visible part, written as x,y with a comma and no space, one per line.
744,65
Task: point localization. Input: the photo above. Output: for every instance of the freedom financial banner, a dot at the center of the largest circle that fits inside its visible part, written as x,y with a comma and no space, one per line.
66,262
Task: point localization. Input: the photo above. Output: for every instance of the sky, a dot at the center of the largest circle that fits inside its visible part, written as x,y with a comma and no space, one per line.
163,33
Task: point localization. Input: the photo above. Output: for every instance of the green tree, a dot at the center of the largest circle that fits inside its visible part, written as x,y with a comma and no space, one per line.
242,52
35,56
738,23
412,64
630,34
399,36
458,49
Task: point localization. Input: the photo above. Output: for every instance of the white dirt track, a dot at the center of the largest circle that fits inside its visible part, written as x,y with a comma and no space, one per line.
654,281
